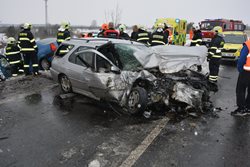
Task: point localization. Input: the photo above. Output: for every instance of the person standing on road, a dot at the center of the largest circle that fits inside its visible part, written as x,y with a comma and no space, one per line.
158,37
111,32
243,83
63,33
196,40
102,30
12,53
143,35
134,33
214,54
28,47
197,36
123,34
167,31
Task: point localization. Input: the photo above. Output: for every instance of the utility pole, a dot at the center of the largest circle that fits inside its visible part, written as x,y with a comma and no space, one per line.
46,13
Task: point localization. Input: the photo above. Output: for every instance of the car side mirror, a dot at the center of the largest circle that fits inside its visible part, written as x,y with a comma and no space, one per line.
115,70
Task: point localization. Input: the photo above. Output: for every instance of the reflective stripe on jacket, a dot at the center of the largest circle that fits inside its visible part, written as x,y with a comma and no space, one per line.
12,53
62,36
26,41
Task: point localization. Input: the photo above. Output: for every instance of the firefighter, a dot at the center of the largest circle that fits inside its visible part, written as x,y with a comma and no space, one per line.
12,53
122,29
143,35
134,33
111,32
102,30
243,83
197,36
28,47
63,33
214,54
196,40
158,37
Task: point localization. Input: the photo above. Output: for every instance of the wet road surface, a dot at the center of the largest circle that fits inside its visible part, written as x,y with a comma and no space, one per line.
205,142
38,128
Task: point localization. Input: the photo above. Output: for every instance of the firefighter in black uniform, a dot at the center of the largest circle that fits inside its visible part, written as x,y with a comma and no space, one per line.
63,33
142,35
197,38
214,54
197,41
158,37
123,34
28,47
12,53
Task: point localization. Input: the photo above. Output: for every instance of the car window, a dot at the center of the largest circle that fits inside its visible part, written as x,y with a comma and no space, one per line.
63,50
235,39
102,65
85,59
72,57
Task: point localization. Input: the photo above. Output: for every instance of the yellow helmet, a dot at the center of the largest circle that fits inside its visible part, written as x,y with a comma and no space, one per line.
122,27
160,25
217,29
26,26
65,25
11,40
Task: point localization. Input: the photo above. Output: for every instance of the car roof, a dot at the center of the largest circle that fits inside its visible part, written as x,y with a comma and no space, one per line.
234,32
93,42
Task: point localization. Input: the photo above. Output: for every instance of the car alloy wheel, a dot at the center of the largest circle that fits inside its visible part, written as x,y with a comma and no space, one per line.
65,84
137,100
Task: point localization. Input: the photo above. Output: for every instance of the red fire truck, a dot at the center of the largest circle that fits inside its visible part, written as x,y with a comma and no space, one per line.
207,26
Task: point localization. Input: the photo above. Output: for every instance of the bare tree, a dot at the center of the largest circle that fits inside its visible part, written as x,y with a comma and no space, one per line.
114,15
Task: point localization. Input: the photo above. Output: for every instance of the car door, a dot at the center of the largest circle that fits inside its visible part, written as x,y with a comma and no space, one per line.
101,79
80,63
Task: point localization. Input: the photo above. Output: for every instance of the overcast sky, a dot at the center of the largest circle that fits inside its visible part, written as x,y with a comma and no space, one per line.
82,12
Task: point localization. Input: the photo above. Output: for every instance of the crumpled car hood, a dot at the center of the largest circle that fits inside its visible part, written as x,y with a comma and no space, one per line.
171,58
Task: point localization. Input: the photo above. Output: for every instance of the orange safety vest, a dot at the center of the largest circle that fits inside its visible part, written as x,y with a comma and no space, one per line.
191,34
247,65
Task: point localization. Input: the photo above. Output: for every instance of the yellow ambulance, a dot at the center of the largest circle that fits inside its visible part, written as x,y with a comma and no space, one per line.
177,28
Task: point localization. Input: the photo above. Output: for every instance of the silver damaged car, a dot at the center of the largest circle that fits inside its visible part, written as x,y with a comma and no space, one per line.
135,76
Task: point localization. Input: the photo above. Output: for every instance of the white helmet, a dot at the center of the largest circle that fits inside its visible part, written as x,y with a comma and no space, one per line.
142,27
11,40
159,27
196,27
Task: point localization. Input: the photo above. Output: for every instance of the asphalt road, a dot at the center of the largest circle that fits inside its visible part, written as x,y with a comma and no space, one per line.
38,128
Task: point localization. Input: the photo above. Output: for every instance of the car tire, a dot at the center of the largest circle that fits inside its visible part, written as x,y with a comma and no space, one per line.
45,64
137,101
65,84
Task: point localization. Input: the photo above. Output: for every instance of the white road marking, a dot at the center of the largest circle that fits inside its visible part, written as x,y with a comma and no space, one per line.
136,153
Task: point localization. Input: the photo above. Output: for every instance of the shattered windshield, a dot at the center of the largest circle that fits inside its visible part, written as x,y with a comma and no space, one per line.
234,39
126,53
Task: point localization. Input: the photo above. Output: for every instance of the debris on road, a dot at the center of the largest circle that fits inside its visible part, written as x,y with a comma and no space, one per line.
94,163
